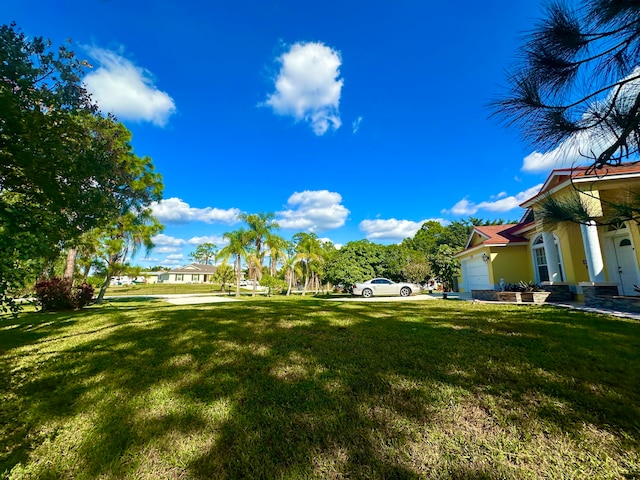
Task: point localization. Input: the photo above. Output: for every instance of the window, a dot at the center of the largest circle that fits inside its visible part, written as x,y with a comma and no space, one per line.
195,278
178,277
540,264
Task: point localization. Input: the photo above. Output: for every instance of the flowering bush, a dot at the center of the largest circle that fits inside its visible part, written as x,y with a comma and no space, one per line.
58,294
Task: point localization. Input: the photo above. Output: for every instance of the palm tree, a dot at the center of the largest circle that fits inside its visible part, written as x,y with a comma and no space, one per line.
309,251
131,231
237,248
292,269
260,227
277,248
254,265
224,275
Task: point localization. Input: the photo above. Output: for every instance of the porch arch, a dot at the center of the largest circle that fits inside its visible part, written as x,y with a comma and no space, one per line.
540,258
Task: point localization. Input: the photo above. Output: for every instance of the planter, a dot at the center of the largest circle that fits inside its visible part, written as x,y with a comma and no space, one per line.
509,297
495,296
512,297
535,297
486,295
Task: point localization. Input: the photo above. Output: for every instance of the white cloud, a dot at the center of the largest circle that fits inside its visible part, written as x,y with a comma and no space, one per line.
389,229
175,210
127,90
167,244
313,211
216,240
167,241
149,260
503,204
307,87
355,126
463,207
176,259
560,157
166,249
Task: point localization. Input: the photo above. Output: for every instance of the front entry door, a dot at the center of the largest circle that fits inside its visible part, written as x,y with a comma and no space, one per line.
625,262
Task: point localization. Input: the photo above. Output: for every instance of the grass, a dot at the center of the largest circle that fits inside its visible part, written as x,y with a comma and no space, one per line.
305,388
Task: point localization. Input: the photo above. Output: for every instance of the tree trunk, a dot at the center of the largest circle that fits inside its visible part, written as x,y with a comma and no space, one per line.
85,273
237,275
70,266
112,260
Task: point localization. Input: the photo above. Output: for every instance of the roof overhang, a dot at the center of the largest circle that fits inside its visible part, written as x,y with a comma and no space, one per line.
545,191
482,246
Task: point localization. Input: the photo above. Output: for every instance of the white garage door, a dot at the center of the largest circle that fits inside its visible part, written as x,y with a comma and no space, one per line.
475,274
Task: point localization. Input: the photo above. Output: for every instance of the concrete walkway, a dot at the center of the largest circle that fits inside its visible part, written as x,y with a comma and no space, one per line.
183,298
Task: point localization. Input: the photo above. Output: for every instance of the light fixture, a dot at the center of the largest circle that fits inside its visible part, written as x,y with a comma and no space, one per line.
485,258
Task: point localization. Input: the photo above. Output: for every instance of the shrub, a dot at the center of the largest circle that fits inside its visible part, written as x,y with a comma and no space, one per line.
57,293
523,287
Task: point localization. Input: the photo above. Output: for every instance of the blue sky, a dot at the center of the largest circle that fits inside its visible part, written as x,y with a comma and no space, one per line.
351,119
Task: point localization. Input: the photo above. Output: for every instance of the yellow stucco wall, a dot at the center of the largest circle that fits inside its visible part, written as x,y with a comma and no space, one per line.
635,238
513,263
476,240
572,253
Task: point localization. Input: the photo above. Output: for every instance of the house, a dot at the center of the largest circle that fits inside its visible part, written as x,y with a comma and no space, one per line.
581,259
192,273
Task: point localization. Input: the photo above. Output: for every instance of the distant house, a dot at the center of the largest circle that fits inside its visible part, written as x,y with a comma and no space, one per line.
152,277
192,273
570,255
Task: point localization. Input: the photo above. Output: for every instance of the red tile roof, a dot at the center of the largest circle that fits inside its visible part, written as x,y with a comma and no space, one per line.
500,234
622,169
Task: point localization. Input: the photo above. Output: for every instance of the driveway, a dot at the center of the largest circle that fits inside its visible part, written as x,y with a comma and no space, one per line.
357,298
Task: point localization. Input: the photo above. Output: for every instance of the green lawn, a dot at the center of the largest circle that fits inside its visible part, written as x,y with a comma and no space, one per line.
305,388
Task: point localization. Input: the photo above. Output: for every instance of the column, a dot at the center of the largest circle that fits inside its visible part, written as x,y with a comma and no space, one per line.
592,250
551,252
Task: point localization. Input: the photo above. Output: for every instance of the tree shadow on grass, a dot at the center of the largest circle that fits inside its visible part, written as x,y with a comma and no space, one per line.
310,389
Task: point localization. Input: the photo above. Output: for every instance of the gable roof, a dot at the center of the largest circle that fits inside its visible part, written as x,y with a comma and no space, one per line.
195,268
499,234
495,235
562,177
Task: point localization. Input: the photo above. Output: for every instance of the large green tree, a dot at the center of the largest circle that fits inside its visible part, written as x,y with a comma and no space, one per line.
578,79
63,168
40,203
427,239
204,253
445,267
355,262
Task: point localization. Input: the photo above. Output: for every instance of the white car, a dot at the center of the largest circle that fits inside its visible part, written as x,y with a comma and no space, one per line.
384,286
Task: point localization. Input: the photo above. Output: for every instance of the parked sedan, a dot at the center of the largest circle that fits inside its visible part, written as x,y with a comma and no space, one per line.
384,286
